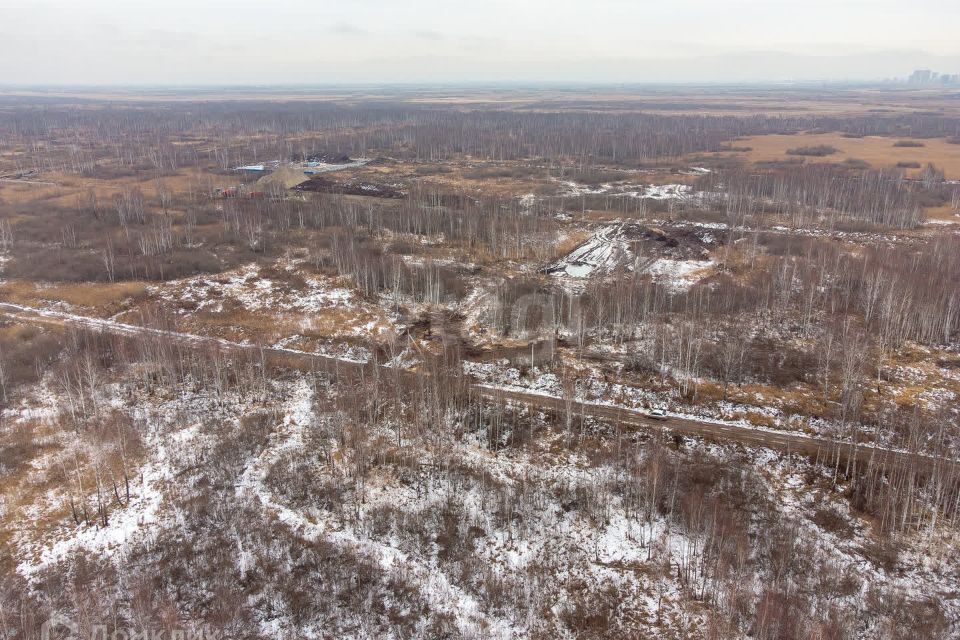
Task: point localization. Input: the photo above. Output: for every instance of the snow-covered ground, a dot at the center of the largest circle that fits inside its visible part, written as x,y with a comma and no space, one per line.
935,222
326,167
601,254
609,249
298,300
555,522
679,275
668,191
652,191
245,286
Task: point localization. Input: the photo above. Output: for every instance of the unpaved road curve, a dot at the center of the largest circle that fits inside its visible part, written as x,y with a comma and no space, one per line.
820,449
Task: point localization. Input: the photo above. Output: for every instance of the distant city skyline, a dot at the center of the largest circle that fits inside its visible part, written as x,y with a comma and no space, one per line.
930,76
247,42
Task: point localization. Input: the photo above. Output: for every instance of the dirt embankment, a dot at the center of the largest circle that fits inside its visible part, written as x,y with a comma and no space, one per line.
350,188
283,177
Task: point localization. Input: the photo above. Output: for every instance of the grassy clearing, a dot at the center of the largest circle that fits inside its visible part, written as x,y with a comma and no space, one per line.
878,152
103,299
945,212
23,446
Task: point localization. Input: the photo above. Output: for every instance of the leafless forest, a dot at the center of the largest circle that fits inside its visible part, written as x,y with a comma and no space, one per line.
451,366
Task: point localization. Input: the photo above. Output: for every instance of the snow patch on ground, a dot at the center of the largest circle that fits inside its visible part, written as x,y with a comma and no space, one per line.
609,249
679,275
670,191
940,222
601,254
170,429
434,585
245,287
667,192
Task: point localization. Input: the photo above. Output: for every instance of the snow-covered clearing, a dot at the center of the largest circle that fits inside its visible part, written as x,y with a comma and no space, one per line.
170,430
939,222
678,275
601,254
541,516
443,595
327,167
669,191
652,191
610,249
245,286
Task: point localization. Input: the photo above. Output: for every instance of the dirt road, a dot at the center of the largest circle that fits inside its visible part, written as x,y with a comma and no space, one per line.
819,449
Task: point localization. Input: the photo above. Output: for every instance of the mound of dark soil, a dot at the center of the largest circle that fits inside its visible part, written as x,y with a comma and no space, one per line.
328,157
679,244
319,184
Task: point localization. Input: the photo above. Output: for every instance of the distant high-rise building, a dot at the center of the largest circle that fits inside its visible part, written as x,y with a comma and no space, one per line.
926,76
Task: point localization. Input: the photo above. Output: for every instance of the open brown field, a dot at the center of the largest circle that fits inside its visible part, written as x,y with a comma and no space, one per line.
704,100
878,151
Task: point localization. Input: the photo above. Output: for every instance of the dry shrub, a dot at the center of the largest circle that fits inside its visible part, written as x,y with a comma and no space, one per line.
885,553
819,150
26,351
591,611
830,519
856,163
18,447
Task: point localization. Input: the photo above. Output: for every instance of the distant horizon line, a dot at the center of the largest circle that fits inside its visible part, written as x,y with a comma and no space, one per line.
335,84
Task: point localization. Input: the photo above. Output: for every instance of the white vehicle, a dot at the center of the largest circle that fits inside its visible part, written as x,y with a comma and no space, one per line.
656,413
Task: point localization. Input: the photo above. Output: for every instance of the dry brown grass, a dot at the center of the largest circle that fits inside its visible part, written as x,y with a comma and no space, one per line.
103,299
801,399
237,323
850,101
29,442
946,212
23,192
70,189
570,242
878,152
41,496
804,400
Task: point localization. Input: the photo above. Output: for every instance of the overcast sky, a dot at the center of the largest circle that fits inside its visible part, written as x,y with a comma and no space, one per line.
362,41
